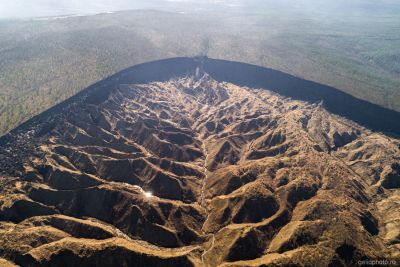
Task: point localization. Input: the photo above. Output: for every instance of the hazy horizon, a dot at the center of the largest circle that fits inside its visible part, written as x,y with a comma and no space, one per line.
11,9
43,8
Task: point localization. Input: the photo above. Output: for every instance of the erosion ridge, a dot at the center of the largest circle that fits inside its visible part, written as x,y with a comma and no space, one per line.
185,168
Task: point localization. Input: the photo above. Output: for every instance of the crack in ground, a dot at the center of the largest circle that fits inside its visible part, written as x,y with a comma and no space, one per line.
202,198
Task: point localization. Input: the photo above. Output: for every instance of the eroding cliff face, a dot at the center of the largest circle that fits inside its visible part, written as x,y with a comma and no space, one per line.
195,172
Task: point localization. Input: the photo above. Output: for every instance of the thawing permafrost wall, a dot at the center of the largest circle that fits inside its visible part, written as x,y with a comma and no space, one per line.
364,113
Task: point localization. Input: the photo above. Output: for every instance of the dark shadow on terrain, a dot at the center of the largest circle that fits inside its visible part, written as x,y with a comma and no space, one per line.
366,114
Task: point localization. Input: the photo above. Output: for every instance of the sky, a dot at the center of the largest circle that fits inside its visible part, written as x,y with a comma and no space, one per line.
43,8
39,8
46,8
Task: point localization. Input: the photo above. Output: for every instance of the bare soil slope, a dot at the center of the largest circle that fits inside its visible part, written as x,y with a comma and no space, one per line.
191,171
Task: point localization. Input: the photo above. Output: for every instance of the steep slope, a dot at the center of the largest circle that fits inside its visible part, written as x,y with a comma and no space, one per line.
191,171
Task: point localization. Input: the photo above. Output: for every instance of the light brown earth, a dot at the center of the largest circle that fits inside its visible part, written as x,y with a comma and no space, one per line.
195,172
